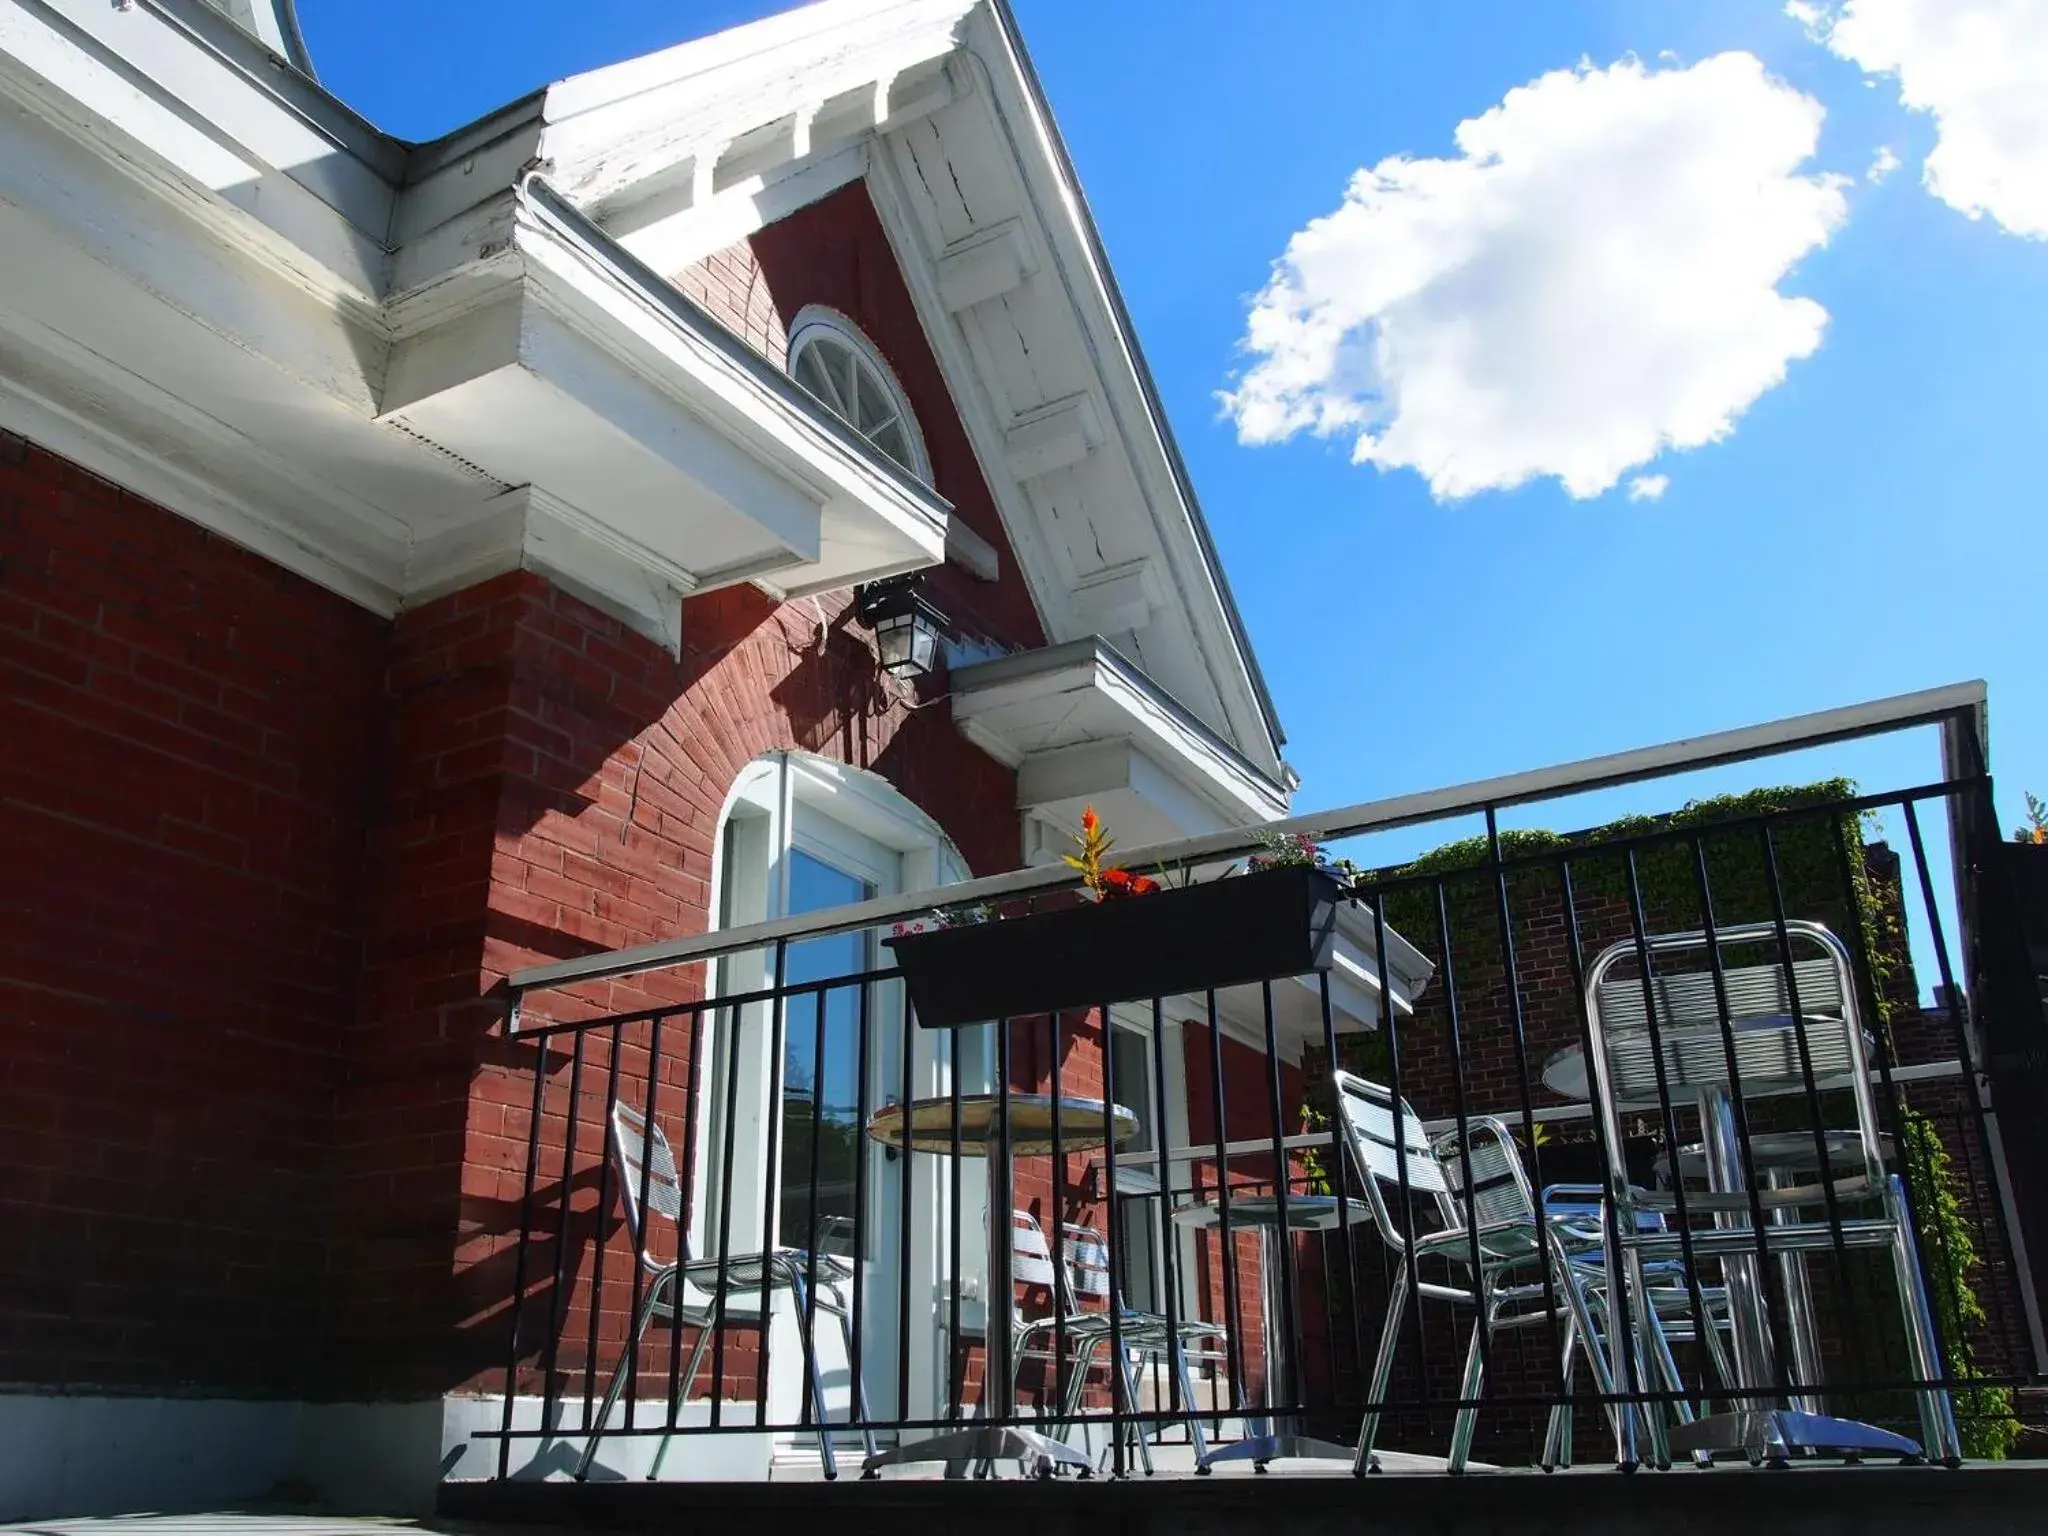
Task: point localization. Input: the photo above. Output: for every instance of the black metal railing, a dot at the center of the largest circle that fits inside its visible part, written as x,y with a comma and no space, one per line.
827,1260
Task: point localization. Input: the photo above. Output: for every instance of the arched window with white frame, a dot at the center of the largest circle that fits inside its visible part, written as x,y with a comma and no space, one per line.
831,358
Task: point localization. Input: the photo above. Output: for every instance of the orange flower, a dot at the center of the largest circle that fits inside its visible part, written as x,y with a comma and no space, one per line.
1116,883
1089,821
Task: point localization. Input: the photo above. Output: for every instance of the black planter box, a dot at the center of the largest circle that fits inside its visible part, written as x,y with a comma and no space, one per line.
1255,927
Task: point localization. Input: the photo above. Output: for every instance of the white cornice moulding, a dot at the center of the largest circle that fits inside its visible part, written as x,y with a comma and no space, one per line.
1052,437
986,266
1118,598
527,529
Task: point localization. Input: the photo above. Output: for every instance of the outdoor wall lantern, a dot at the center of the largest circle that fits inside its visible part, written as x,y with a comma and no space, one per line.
906,626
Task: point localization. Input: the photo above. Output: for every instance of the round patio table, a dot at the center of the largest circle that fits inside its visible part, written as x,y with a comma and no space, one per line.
984,1120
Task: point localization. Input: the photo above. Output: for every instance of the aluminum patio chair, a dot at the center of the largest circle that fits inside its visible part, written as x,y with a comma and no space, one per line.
1670,1317
683,1292
1148,1337
1437,1202
1791,1026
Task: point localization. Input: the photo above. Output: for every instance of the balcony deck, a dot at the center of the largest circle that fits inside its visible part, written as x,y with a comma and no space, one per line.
1842,1501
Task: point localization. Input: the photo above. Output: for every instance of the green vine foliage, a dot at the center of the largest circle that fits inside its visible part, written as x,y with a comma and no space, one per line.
1984,1415
1822,875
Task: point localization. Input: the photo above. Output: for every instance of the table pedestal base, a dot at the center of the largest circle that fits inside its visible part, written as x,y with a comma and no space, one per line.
1773,1434
1036,1452
1281,1446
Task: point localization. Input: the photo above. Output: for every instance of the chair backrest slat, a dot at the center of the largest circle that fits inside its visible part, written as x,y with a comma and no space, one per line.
1753,991
1369,1117
1087,1260
1030,1255
1496,1193
637,1145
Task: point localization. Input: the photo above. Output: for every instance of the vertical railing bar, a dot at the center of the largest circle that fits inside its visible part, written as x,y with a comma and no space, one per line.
693,1091
640,1238
1459,1101
1866,982
1612,1157
1055,1223
1002,1299
1639,923
519,1257
1341,1187
771,1176
1287,1336
1960,1028
1738,1103
904,1231
559,1310
729,1050
1169,1287
1226,1250
863,1150
1403,1183
1775,881
822,1002
597,1242
1113,1252
1519,1025
956,1347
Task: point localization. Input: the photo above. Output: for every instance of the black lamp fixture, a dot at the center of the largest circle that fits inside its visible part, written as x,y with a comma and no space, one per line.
906,626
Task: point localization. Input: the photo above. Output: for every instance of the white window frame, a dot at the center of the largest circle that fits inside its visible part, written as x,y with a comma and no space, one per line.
817,320
779,802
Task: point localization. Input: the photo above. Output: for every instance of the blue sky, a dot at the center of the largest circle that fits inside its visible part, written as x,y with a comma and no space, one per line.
1871,524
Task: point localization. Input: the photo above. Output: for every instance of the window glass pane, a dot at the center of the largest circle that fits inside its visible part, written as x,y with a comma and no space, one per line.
821,1132
809,373
1138,1257
847,380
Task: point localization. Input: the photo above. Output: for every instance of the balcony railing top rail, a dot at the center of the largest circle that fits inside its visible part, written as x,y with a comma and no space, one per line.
1958,708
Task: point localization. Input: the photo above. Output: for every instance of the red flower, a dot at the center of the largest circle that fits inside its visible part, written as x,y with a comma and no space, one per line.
1121,882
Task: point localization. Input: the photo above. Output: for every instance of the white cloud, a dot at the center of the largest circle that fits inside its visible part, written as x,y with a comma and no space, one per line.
1648,487
1591,280
1980,69
1882,164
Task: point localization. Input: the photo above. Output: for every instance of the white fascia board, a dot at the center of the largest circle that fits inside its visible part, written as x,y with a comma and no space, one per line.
757,403
1004,78
619,133
163,179
185,101
669,235
587,375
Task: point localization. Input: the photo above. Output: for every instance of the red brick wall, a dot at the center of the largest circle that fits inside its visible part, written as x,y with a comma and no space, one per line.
617,763
836,253
187,734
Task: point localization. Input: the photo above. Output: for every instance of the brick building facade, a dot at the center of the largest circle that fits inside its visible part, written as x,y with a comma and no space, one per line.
286,804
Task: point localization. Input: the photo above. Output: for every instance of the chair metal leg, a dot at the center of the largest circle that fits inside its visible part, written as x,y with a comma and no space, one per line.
689,1380
1467,1420
1937,1412
1557,1435
806,1335
1382,1371
1187,1400
1130,1387
860,1397
593,1434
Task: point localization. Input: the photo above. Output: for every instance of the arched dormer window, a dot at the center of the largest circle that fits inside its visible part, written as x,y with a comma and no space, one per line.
830,357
